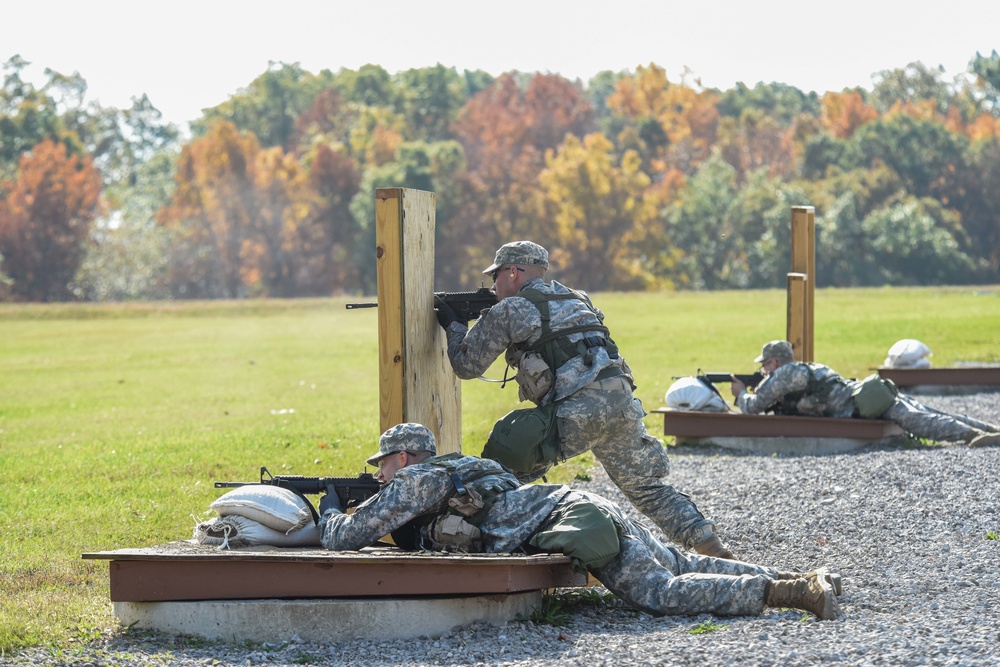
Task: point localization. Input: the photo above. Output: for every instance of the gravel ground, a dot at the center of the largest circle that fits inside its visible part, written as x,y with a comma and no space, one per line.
907,527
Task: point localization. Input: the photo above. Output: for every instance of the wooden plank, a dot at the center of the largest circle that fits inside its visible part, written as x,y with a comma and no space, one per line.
796,333
708,424
431,390
388,258
416,383
909,377
189,571
804,262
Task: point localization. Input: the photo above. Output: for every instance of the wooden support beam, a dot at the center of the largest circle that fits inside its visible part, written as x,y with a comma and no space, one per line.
804,262
797,295
416,383
707,424
190,571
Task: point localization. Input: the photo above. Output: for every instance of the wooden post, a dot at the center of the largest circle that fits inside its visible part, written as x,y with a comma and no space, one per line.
804,262
797,288
416,383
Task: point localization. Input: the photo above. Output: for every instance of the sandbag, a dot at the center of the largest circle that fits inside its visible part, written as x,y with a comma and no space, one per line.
235,531
908,353
693,395
273,506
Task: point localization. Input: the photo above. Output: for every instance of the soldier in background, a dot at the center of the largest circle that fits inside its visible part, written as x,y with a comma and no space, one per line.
466,504
806,388
568,365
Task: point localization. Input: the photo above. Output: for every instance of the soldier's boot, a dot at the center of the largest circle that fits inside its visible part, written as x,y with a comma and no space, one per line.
713,546
836,581
985,440
813,595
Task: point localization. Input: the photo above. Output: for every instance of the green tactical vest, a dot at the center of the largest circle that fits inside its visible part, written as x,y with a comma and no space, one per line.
555,347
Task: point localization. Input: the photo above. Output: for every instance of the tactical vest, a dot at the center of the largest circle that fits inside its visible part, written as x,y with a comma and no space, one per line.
458,516
554,347
819,388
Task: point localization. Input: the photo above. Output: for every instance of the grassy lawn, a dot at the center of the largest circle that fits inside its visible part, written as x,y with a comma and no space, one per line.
116,419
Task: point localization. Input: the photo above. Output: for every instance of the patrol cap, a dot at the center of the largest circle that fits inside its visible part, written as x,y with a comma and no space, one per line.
408,437
524,253
776,349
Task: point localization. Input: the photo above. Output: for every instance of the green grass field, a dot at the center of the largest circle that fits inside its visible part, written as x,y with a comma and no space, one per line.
116,419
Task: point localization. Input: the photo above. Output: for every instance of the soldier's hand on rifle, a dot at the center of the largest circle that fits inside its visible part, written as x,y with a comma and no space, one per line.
329,501
446,314
737,387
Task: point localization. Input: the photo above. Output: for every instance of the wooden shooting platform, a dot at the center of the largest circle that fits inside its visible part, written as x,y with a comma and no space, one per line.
777,433
271,594
187,570
956,380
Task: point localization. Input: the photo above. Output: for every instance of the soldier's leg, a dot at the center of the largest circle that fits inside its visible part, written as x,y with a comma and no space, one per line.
638,578
926,423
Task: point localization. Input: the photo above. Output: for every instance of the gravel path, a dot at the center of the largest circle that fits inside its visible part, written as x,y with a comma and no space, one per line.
907,527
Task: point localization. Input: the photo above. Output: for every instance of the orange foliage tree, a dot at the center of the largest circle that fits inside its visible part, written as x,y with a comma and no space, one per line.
244,219
45,219
844,113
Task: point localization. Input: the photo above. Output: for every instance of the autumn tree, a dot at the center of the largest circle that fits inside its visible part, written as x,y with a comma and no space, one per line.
844,113
597,214
334,180
45,217
504,132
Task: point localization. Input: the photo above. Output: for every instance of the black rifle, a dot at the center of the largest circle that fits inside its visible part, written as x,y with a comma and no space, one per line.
751,380
467,305
352,491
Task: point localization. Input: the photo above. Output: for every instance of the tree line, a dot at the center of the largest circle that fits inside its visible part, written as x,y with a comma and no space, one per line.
633,181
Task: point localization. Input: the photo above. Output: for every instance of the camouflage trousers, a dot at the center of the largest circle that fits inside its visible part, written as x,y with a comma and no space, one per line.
925,422
662,579
606,418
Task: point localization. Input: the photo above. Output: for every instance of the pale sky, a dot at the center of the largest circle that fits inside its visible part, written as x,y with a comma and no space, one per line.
192,54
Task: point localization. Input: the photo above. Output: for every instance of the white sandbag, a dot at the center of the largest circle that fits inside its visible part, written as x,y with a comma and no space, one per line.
235,531
908,353
272,506
694,395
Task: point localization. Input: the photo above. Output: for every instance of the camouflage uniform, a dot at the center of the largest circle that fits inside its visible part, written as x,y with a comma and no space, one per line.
600,415
652,576
830,396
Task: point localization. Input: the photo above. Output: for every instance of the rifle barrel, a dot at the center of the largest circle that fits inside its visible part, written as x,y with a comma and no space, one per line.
365,304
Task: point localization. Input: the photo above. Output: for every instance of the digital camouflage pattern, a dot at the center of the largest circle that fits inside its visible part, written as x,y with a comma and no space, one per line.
407,437
832,398
423,490
525,253
652,576
600,416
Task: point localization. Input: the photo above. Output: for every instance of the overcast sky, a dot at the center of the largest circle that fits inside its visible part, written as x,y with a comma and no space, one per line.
191,54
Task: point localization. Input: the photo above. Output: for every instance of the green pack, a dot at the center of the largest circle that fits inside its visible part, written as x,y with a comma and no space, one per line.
873,396
584,532
524,439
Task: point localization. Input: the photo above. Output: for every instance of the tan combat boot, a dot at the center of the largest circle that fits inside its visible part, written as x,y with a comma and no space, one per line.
985,440
813,595
836,581
713,546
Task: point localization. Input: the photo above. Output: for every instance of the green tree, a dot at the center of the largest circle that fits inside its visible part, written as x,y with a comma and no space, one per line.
270,105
